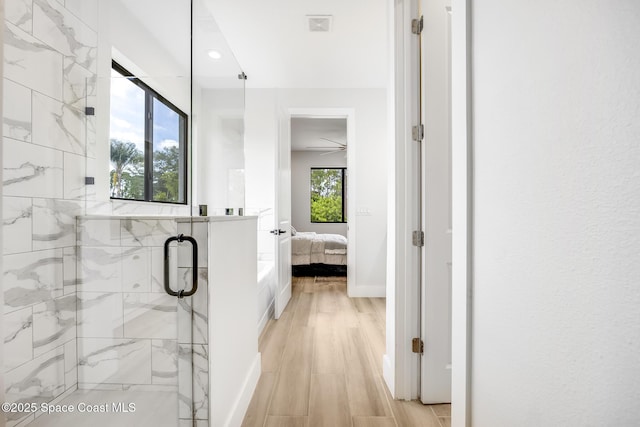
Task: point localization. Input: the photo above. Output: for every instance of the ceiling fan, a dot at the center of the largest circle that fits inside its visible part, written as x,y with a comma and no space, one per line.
331,149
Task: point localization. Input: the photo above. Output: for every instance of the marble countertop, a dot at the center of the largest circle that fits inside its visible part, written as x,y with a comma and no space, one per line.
218,218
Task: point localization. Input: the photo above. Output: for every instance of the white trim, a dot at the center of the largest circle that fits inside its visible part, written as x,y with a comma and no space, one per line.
461,215
367,291
241,404
268,314
405,364
349,114
2,385
387,372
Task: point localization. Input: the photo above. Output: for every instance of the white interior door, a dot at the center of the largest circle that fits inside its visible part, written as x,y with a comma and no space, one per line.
282,232
435,381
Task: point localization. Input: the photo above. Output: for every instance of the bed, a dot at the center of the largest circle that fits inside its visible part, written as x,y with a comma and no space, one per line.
316,254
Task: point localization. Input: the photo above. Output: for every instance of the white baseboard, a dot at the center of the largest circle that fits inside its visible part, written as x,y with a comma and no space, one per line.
367,291
268,314
388,374
241,404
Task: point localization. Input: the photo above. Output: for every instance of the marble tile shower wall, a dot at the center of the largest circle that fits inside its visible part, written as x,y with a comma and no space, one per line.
126,322
131,333
50,51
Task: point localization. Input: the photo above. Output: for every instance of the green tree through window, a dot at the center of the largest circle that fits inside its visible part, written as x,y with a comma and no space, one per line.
148,138
327,195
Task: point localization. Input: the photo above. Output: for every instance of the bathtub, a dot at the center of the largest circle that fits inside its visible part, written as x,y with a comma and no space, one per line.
266,287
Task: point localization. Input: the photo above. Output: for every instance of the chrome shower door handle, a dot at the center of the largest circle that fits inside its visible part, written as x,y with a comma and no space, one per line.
194,271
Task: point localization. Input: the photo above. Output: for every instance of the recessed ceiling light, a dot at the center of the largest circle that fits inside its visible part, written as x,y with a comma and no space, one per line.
214,54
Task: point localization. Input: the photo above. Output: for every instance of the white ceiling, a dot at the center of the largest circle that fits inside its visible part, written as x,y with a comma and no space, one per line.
307,133
272,42
274,47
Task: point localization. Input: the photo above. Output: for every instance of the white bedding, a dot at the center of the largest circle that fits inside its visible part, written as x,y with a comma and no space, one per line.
313,248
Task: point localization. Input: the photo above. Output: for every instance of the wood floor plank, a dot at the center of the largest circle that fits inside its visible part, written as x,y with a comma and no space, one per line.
307,284
278,421
441,410
296,289
374,422
357,356
321,365
327,297
327,349
328,406
291,394
413,414
305,312
380,305
298,351
364,305
257,411
274,341
366,396
375,337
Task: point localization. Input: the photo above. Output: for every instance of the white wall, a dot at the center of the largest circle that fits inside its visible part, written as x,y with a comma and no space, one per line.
369,178
370,107
122,37
301,164
220,147
556,107
260,154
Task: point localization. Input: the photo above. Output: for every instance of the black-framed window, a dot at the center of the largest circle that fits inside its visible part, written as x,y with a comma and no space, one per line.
148,137
328,191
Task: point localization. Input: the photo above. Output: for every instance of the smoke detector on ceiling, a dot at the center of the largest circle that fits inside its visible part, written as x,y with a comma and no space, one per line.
319,23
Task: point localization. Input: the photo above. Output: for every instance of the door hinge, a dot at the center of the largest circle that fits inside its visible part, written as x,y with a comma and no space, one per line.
417,25
417,133
418,238
417,346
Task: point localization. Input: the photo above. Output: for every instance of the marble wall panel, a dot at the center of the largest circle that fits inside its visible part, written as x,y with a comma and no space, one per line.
98,232
164,361
136,269
148,315
19,13
32,63
18,338
65,32
16,110
100,315
70,364
86,10
114,361
70,277
37,381
54,323
31,278
31,171
99,269
57,125
74,174
17,225
147,232
54,223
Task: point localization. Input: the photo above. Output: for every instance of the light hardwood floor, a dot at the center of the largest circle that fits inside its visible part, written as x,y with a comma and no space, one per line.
322,365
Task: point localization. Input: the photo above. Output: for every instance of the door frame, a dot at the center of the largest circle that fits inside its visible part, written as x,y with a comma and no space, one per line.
402,371
349,115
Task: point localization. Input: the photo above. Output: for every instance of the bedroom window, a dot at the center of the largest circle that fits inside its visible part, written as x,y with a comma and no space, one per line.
328,202
148,137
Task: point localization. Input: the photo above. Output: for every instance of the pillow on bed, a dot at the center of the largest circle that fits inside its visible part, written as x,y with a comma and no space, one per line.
293,231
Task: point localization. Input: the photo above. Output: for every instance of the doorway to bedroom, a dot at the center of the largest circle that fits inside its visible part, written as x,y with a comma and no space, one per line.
319,196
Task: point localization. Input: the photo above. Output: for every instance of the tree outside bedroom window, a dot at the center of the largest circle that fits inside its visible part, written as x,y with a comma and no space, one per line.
328,202
148,138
